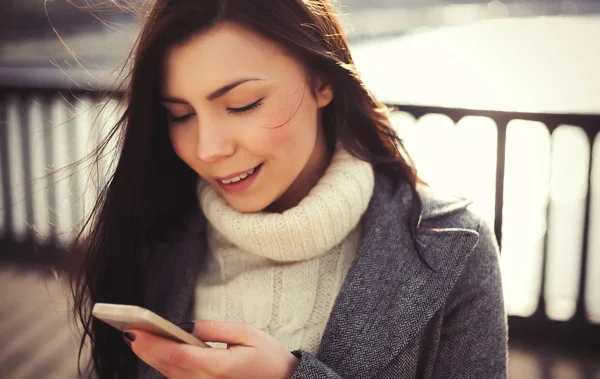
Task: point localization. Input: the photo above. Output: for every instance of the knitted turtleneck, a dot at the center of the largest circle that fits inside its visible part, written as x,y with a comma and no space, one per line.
281,272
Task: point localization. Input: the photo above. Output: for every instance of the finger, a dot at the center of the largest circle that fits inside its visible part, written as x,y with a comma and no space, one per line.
172,359
217,363
232,333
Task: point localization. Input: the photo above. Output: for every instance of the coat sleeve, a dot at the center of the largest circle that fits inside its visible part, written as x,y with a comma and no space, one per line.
312,368
473,341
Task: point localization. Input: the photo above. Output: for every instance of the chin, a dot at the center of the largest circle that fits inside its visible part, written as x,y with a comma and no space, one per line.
247,205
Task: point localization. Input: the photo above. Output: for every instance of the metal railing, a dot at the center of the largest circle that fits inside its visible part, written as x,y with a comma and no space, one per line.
578,331
32,219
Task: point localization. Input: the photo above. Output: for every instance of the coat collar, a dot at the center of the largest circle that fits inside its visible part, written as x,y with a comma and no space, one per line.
437,204
392,291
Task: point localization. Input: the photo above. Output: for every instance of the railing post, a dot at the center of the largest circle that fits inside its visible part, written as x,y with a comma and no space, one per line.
580,313
540,311
5,165
501,128
25,127
49,157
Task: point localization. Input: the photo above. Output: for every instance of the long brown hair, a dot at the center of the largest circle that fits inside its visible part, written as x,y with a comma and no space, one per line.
152,190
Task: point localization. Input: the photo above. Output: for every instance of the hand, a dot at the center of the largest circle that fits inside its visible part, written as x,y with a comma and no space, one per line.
250,353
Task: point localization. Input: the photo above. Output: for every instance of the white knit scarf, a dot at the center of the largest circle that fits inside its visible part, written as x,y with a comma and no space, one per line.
322,220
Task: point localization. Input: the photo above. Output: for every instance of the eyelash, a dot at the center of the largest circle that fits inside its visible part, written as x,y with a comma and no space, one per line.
242,110
176,120
245,109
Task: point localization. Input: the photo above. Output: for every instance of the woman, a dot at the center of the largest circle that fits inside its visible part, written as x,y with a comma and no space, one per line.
261,191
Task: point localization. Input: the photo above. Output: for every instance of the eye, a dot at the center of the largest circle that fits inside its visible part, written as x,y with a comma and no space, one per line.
247,108
179,119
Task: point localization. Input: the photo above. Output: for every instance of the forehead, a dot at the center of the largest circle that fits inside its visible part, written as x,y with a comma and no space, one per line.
224,53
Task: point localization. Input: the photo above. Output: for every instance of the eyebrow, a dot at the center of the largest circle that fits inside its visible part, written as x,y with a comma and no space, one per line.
213,95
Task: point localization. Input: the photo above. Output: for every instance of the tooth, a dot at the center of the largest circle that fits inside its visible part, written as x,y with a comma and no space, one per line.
226,181
244,176
251,172
236,179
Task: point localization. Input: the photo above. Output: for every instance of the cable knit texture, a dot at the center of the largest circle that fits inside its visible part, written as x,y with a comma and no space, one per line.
281,272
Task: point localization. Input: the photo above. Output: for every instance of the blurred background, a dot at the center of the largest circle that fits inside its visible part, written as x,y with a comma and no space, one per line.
497,101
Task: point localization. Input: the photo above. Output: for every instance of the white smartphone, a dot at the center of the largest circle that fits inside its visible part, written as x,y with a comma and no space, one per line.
125,317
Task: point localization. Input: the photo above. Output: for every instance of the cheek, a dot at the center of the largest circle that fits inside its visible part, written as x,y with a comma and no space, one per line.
288,105
276,137
183,142
294,138
278,118
294,129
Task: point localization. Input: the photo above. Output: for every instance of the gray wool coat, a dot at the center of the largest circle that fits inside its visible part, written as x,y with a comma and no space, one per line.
401,313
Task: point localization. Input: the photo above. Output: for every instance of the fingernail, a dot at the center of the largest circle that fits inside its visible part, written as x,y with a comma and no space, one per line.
129,337
187,326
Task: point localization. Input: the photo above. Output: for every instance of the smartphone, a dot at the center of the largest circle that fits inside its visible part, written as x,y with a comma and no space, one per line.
125,317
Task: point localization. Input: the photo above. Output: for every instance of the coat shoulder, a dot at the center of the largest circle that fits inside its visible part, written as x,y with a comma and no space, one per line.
441,210
448,220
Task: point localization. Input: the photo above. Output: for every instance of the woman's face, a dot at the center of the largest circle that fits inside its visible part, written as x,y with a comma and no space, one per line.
245,116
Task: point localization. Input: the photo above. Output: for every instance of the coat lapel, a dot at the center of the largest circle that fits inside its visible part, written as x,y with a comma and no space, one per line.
391,291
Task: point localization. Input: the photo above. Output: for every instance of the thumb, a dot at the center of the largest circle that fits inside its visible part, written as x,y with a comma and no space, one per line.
231,333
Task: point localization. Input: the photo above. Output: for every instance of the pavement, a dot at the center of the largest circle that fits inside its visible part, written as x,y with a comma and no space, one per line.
37,340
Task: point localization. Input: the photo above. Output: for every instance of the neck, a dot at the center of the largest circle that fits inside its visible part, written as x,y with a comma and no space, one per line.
313,171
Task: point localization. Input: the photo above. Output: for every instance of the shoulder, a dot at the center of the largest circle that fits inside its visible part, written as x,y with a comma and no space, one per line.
437,208
448,221
449,231
448,228
444,210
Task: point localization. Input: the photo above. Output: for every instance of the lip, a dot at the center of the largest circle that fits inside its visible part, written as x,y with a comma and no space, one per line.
243,184
233,175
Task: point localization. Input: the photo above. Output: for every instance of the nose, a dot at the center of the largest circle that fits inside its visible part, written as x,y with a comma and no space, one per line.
213,141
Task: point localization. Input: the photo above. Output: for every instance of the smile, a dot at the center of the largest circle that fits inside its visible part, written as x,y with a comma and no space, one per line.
240,182
239,177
